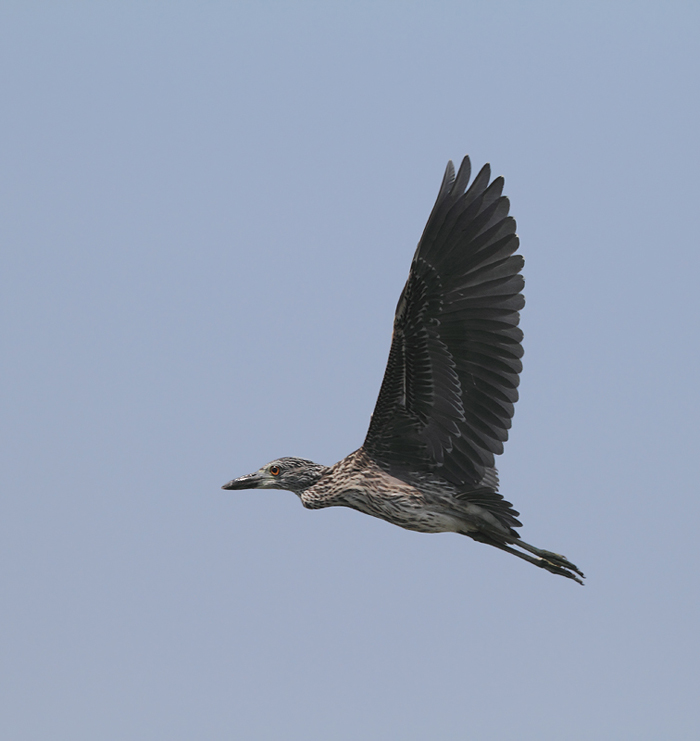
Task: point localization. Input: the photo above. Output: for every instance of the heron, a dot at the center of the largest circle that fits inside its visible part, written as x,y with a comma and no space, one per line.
447,398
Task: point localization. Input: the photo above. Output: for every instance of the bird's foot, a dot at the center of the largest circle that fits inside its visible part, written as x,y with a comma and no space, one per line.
553,566
555,562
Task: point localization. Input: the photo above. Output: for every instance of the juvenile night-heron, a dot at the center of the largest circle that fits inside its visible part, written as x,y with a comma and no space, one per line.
446,401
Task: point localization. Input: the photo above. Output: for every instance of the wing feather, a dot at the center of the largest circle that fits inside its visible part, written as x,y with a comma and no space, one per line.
446,401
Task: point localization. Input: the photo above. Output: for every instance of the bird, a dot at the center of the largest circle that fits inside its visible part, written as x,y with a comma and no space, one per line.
447,397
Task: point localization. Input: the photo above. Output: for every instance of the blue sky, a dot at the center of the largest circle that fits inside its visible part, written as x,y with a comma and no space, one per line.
208,211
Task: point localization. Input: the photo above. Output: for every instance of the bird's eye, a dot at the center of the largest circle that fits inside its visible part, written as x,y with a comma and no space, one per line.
275,470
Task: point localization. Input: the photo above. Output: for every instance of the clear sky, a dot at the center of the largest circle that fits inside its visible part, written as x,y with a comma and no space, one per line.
207,213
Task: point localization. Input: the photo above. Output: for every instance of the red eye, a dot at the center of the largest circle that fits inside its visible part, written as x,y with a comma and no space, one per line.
275,470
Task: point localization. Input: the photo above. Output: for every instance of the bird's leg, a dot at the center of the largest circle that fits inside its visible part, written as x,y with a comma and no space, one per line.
552,562
541,562
554,558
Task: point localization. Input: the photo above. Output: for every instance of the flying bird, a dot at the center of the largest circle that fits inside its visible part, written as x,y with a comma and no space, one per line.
447,398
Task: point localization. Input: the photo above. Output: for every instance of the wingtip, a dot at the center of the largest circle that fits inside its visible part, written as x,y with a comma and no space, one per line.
447,180
462,180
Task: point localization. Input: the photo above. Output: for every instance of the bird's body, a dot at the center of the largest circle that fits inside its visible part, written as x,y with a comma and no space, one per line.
446,401
359,483
424,503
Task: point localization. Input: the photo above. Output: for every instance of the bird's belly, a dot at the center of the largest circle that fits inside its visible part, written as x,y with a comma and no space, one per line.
404,512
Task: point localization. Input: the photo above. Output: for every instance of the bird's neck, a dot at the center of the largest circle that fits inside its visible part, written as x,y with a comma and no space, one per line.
311,476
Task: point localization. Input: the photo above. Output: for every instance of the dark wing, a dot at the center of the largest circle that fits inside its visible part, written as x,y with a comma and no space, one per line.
446,401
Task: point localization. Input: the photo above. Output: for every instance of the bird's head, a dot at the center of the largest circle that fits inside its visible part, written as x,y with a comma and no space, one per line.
292,474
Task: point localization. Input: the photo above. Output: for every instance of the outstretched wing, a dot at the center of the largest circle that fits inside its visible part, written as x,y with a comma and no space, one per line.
446,401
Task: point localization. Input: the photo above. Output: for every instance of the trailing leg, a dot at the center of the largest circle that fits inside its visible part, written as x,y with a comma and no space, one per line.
552,562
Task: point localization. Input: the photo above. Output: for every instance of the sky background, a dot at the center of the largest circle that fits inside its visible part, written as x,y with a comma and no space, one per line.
207,213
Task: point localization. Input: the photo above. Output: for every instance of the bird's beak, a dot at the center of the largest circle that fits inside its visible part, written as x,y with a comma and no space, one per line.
249,481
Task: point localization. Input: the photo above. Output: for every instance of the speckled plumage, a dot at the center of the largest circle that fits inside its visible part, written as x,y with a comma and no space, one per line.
448,393
428,505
